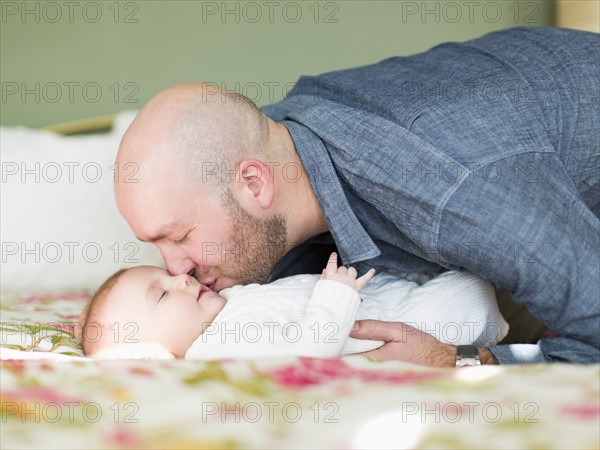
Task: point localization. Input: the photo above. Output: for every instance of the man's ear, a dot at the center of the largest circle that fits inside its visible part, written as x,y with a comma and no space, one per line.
256,182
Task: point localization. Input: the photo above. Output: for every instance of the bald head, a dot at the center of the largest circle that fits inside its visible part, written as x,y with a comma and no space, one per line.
208,187
202,128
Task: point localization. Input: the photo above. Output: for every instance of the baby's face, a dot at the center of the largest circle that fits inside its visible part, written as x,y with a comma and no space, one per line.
151,306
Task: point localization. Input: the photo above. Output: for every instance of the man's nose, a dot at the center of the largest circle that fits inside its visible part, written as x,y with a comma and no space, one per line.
177,261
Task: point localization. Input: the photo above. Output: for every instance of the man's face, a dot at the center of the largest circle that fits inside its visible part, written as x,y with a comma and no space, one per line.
200,231
152,306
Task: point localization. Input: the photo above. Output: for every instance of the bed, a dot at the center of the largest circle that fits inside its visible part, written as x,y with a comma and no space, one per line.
53,397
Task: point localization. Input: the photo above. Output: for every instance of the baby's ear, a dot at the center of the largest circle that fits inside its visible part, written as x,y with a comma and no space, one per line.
80,320
77,330
134,351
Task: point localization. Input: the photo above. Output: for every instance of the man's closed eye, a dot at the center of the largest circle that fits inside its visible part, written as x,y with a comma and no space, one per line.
182,240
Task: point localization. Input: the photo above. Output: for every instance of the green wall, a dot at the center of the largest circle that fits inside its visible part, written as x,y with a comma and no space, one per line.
67,60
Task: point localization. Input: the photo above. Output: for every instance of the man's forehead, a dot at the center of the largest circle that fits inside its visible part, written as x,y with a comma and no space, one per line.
153,200
147,145
148,168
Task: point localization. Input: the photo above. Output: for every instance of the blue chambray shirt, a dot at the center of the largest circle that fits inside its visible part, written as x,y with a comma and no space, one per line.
479,156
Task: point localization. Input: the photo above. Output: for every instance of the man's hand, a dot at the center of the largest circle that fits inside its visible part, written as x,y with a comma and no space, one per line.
345,275
406,343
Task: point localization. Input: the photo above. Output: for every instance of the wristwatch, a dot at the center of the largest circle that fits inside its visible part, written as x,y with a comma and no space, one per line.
467,355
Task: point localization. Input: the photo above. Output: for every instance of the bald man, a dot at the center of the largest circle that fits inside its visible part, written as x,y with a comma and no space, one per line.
480,156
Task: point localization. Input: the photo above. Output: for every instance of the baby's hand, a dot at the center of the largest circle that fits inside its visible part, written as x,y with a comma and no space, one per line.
345,275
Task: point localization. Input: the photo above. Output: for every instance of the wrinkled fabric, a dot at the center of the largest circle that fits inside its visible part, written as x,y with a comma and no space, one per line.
481,156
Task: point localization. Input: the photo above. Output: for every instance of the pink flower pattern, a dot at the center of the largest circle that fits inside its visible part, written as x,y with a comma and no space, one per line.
314,371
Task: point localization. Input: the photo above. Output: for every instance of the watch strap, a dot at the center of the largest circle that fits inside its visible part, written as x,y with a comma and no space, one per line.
467,355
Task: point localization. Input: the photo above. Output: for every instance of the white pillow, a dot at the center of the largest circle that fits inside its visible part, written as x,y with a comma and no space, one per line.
60,225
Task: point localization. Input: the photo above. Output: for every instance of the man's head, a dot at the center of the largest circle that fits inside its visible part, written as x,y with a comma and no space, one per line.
147,306
197,177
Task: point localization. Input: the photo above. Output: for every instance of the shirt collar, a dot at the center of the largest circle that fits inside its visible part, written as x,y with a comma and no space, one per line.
353,242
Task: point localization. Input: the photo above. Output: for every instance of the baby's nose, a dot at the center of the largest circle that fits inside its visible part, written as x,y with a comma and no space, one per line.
192,281
185,280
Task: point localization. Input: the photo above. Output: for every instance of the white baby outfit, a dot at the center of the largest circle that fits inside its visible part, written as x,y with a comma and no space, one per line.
304,316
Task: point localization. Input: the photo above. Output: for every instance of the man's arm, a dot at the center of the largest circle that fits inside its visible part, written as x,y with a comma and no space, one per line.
409,344
486,356
542,243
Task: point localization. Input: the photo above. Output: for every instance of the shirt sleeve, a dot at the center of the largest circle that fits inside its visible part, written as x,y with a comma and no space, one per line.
328,320
542,243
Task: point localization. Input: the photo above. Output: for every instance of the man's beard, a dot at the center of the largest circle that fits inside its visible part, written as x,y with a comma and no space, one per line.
258,245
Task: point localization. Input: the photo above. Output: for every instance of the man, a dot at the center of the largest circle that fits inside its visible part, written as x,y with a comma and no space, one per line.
481,156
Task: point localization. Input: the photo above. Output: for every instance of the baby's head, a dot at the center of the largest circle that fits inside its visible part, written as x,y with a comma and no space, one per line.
147,307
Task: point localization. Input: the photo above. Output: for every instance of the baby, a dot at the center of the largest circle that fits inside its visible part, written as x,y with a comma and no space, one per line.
146,312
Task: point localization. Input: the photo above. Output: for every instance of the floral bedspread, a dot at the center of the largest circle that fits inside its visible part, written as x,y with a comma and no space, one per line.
51,397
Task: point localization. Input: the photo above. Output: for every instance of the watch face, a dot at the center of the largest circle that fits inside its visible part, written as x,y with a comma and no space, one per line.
468,362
